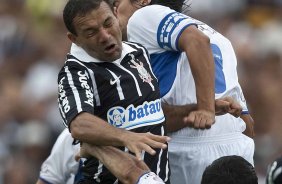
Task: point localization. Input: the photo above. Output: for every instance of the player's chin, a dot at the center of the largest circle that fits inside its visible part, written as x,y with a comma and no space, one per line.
112,57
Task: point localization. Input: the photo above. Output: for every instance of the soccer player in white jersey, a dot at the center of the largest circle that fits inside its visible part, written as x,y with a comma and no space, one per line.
174,42
61,166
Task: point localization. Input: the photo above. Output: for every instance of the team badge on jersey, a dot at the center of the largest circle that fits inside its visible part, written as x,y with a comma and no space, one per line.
143,73
116,116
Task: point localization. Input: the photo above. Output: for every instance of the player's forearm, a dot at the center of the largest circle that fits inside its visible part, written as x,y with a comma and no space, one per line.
119,163
93,130
197,48
174,115
249,125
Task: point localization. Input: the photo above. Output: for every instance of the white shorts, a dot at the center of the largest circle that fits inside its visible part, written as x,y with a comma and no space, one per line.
189,157
150,178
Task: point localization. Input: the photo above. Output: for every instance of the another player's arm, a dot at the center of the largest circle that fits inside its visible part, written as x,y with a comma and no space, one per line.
177,117
249,125
175,114
196,45
124,166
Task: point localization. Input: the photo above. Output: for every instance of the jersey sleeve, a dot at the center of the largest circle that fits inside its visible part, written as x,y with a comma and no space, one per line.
160,31
75,92
60,165
243,102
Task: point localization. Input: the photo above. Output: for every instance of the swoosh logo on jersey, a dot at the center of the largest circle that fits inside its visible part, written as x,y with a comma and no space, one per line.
112,82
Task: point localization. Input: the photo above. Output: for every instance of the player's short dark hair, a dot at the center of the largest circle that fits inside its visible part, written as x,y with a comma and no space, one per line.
230,170
274,172
173,4
75,8
177,5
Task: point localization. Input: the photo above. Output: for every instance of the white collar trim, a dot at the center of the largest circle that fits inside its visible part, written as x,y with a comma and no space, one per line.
82,55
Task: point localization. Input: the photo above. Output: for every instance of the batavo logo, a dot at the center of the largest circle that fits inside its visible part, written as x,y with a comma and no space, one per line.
149,113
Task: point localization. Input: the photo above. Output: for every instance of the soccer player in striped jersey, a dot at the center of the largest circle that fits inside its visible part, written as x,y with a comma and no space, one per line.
108,94
181,50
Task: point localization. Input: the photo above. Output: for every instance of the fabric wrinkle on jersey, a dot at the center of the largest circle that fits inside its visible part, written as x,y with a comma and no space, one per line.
160,36
123,92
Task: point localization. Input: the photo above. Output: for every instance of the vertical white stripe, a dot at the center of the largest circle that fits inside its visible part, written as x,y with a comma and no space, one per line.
119,89
95,90
63,114
135,80
167,168
74,90
142,155
160,155
96,175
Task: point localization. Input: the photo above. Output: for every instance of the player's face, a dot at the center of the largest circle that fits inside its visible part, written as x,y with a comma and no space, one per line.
98,33
124,10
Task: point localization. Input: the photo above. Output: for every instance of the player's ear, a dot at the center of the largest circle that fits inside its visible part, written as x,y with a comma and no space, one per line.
144,2
115,11
72,38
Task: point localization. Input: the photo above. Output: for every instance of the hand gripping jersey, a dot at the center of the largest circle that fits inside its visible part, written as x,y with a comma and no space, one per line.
160,36
124,93
158,28
61,167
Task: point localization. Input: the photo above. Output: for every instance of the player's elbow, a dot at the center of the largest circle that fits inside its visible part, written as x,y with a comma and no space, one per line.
76,128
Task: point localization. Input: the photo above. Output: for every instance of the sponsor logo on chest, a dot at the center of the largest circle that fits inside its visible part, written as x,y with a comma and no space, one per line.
149,113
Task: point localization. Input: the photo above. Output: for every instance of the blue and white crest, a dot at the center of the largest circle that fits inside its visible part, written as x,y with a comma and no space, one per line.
116,116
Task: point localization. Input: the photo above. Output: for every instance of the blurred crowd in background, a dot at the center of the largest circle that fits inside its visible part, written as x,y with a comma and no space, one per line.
33,45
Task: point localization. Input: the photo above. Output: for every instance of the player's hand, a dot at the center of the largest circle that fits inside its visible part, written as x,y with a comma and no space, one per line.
138,142
227,105
200,119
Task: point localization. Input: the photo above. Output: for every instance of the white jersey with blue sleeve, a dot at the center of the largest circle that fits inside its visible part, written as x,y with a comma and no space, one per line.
159,32
61,167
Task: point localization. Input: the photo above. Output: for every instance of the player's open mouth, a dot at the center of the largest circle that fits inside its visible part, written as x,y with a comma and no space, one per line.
110,48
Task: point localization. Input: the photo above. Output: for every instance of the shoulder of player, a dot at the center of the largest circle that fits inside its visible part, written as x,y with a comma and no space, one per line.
135,47
72,63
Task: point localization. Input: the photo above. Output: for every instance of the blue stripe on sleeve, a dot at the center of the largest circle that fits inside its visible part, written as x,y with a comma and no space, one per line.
166,28
164,66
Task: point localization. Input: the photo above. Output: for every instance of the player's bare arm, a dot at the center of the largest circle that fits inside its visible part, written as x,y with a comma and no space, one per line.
124,166
197,48
93,130
177,117
250,123
174,115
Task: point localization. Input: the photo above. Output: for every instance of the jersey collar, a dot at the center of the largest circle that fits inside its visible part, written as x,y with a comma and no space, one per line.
82,55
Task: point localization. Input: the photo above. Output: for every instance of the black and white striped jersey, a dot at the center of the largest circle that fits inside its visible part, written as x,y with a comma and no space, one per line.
124,93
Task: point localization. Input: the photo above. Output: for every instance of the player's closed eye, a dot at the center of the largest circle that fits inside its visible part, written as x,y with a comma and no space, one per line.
108,23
